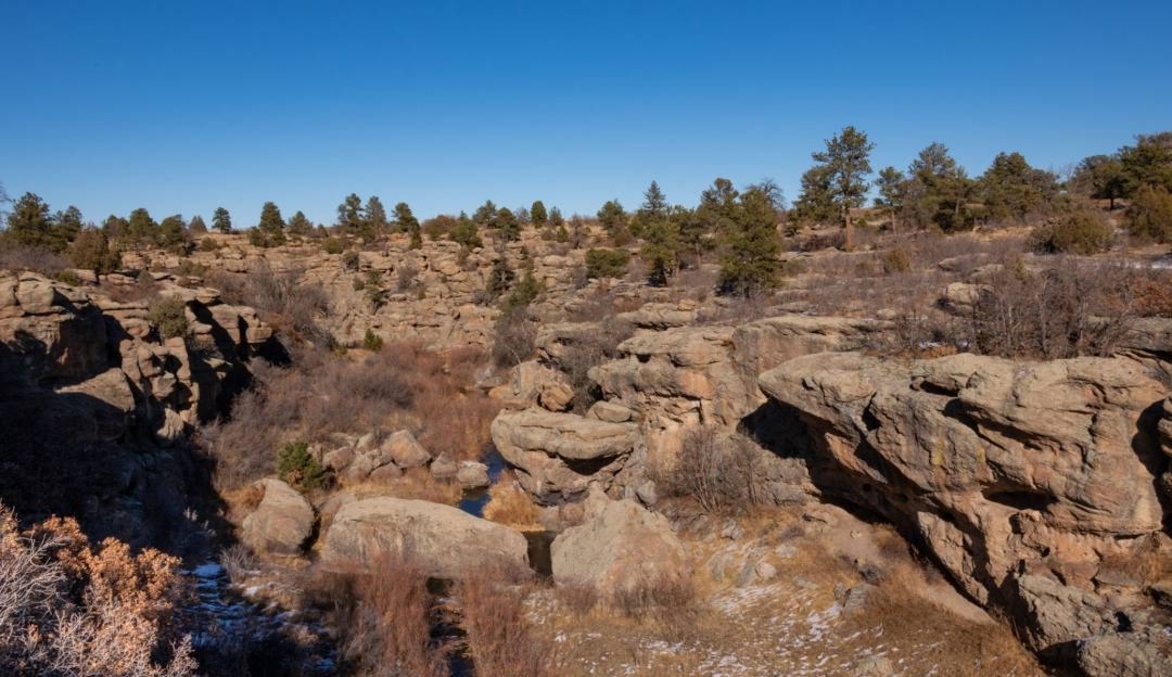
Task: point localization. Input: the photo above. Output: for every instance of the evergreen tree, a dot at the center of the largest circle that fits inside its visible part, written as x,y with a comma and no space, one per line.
465,233
815,204
510,228
31,225
141,228
1100,177
376,216
485,215
1148,163
750,264
847,163
350,217
613,217
171,234
939,190
538,214
718,206
197,225
115,227
556,220
222,220
1012,189
892,185
299,225
406,222
270,231
91,251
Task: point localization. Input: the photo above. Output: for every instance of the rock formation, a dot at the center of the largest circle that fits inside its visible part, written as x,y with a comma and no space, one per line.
445,541
1028,482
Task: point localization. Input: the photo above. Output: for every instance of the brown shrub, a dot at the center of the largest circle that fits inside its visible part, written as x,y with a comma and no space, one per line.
588,349
500,640
1066,310
67,607
22,257
515,336
581,598
284,300
383,617
717,470
400,387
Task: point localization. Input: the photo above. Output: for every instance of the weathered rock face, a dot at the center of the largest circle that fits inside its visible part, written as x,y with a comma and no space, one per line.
443,540
1021,479
624,545
281,523
558,456
102,394
686,377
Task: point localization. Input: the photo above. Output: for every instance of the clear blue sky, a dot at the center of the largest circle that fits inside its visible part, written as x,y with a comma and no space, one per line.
184,106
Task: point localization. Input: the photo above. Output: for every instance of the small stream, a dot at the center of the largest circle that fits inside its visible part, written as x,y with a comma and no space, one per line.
474,501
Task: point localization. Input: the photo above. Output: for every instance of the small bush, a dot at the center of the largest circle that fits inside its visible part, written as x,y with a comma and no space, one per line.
1079,229
896,261
515,337
169,316
602,263
668,598
383,616
581,598
71,608
350,260
499,637
299,468
333,245
407,278
1150,214
715,469
372,341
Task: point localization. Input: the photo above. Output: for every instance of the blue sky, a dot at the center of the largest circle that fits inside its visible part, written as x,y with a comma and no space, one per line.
181,106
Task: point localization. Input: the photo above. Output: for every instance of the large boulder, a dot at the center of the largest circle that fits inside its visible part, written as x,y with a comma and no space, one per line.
623,546
1014,475
559,455
445,541
281,523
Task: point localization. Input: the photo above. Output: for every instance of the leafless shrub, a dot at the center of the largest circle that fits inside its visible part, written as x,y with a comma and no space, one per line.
400,387
284,300
715,469
383,616
515,337
499,637
581,598
586,350
1066,310
21,257
238,561
666,598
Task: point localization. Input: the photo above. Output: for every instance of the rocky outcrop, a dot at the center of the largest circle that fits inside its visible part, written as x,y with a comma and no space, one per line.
682,378
443,540
281,523
558,456
1024,480
622,547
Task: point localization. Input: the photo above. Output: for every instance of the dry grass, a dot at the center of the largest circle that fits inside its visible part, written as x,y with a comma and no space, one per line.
384,619
500,637
508,504
789,624
400,387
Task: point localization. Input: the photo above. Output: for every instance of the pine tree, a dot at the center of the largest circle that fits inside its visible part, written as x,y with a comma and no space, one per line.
299,225
30,224
406,222
508,224
270,231
847,163
222,220
751,265
538,214
197,225
376,216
